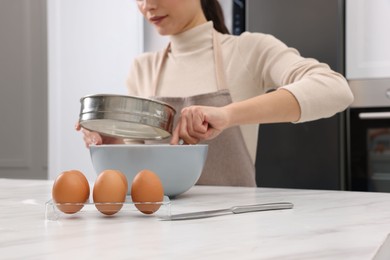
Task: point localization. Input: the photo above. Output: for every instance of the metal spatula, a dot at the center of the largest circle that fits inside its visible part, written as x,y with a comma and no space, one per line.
234,210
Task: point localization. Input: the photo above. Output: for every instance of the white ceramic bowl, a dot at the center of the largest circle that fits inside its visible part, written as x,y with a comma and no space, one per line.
178,166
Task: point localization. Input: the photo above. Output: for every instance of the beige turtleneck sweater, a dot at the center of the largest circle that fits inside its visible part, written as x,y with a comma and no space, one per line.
253,64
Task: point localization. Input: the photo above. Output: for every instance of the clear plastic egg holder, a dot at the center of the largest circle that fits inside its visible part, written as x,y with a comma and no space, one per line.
89,210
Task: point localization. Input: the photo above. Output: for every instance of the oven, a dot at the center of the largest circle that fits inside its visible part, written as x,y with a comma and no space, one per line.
369,136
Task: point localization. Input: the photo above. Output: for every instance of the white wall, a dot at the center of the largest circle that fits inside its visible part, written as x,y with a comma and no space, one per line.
152,40
91,44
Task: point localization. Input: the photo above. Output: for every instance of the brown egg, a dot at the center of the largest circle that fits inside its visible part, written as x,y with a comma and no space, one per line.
110,187
124,179
147,187
70,187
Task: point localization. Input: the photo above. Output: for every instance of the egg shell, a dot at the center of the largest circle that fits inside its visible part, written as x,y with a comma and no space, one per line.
147,187
70,187
110,187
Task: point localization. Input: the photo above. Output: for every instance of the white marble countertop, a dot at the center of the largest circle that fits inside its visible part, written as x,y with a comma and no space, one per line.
322,225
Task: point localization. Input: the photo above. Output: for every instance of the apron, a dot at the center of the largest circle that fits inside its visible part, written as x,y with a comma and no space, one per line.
228,161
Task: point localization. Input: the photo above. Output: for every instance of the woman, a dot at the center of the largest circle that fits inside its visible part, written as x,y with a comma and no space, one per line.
221,84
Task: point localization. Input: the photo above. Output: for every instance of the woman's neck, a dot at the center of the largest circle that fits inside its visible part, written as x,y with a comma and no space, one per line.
194,39
198,20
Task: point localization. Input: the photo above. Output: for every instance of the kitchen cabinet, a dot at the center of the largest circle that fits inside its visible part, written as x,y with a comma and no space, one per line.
367,39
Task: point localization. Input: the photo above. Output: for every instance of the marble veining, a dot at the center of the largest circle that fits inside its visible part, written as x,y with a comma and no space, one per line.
322,225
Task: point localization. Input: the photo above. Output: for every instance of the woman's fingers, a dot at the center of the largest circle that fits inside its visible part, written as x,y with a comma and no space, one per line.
91,138
191,127
94,138
77,126
185,129
181,132
199,123
176,135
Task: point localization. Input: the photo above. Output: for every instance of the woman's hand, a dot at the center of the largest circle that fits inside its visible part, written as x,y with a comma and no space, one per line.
198,123
94,138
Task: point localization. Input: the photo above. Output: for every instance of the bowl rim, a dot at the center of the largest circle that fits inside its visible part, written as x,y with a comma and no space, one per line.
146,145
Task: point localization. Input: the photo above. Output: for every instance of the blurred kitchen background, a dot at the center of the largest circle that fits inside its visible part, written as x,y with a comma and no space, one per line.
52,52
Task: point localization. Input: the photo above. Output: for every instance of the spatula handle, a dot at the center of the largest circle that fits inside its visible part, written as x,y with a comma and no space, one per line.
262,207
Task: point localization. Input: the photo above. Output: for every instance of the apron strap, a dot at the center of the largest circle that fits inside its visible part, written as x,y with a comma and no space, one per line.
218,61
159,69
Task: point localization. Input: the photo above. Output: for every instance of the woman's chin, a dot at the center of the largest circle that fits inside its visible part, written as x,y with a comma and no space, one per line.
163,31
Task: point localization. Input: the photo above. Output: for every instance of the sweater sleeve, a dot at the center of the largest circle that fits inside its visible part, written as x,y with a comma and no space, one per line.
320,91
